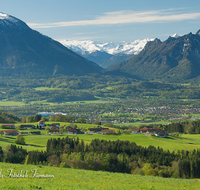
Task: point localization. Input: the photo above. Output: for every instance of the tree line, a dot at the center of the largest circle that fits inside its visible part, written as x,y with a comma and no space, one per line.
112,156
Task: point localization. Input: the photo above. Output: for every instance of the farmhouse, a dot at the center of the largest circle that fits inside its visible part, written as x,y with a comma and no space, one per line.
135,131
41,123
8,126
23,133
11,132
55,125
27,127
143,130
72,131
97,130
108,132
154,131
54,131
35,133
75,131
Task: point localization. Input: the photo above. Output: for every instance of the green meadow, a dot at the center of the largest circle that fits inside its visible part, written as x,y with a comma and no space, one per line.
66,178
11,103
143,123
171,143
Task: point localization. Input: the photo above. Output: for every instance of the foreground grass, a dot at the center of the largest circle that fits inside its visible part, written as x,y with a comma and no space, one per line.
65,178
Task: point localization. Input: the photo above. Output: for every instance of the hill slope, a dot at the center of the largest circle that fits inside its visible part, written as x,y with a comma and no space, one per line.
85,179
27,53
176,59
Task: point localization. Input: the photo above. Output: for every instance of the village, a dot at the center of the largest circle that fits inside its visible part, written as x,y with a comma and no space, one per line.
55,128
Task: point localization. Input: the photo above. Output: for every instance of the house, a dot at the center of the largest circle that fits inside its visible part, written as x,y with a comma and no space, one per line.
72,131
108,131
54,131
68,127
11,132
135,131
154,131
27,127
35,133
55,125
75,131
97,130
143,130
23,133
8,126
41,124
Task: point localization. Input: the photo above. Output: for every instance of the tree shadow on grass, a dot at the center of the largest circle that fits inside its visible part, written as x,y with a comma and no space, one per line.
33,145
7,139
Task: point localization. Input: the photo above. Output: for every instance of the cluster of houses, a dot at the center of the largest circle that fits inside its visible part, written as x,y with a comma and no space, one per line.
56,129
150,131
15,132
104,131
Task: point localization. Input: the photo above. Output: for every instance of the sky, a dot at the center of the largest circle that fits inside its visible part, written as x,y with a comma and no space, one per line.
107,20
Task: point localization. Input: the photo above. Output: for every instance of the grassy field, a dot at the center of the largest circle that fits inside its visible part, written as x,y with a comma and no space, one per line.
184,142
11,103
65,178
142,123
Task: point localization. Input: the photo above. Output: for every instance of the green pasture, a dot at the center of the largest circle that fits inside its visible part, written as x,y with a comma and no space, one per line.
46,88
183,142
11,103
143,123
67,178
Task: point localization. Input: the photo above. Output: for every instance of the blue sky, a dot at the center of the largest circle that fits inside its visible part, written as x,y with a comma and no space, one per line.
107,20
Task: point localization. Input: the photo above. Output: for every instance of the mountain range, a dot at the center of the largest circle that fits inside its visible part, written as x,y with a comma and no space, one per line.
26,53
176,59
106,54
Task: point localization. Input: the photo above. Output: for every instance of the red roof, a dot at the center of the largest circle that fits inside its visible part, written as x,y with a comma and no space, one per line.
11,131
134,129
108,130
71,130
144,129
40,121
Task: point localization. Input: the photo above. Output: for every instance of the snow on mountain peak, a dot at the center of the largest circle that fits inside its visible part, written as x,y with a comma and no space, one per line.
113,48
7,17
8,23
175,35
3,16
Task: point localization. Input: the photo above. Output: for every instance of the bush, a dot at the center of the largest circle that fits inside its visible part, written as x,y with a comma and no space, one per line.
63,165
20,140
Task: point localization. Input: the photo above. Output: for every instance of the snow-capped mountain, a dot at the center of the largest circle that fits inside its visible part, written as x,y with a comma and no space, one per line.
175,35
113,48
26,53
8,22
106,54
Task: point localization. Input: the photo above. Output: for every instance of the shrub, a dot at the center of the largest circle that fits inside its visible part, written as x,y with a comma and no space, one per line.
20,140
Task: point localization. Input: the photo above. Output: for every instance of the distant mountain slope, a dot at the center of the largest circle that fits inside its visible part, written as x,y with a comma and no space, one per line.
27,53
6,117
176,59
106,54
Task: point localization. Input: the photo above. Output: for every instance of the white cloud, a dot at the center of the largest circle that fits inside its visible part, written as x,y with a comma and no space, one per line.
125,17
